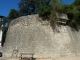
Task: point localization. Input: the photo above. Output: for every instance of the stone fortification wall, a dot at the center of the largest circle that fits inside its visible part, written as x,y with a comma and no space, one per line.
29,34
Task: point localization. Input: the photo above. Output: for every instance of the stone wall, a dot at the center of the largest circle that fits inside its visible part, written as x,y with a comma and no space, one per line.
29,35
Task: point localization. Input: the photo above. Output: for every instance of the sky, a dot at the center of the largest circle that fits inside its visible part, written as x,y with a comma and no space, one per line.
7,5
67,1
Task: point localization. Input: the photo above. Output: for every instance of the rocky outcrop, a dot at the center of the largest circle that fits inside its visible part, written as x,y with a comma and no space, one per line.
29,34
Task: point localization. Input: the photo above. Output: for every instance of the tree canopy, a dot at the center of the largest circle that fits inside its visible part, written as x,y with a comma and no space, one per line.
13,14
76,2
43,8
27,7
73,12
48,9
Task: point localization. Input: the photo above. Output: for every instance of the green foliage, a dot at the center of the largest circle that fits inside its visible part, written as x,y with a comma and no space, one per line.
56,7
76,2
67,8
70,15
48,9
43,8
27,7
73,12
13,14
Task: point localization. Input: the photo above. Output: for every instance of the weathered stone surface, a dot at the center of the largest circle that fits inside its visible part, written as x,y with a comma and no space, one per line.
28,35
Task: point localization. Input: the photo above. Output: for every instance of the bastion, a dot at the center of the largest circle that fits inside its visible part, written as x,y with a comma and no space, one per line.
29,34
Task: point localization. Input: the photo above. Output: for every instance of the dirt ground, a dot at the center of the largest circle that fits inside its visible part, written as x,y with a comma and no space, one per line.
64,58
68,58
